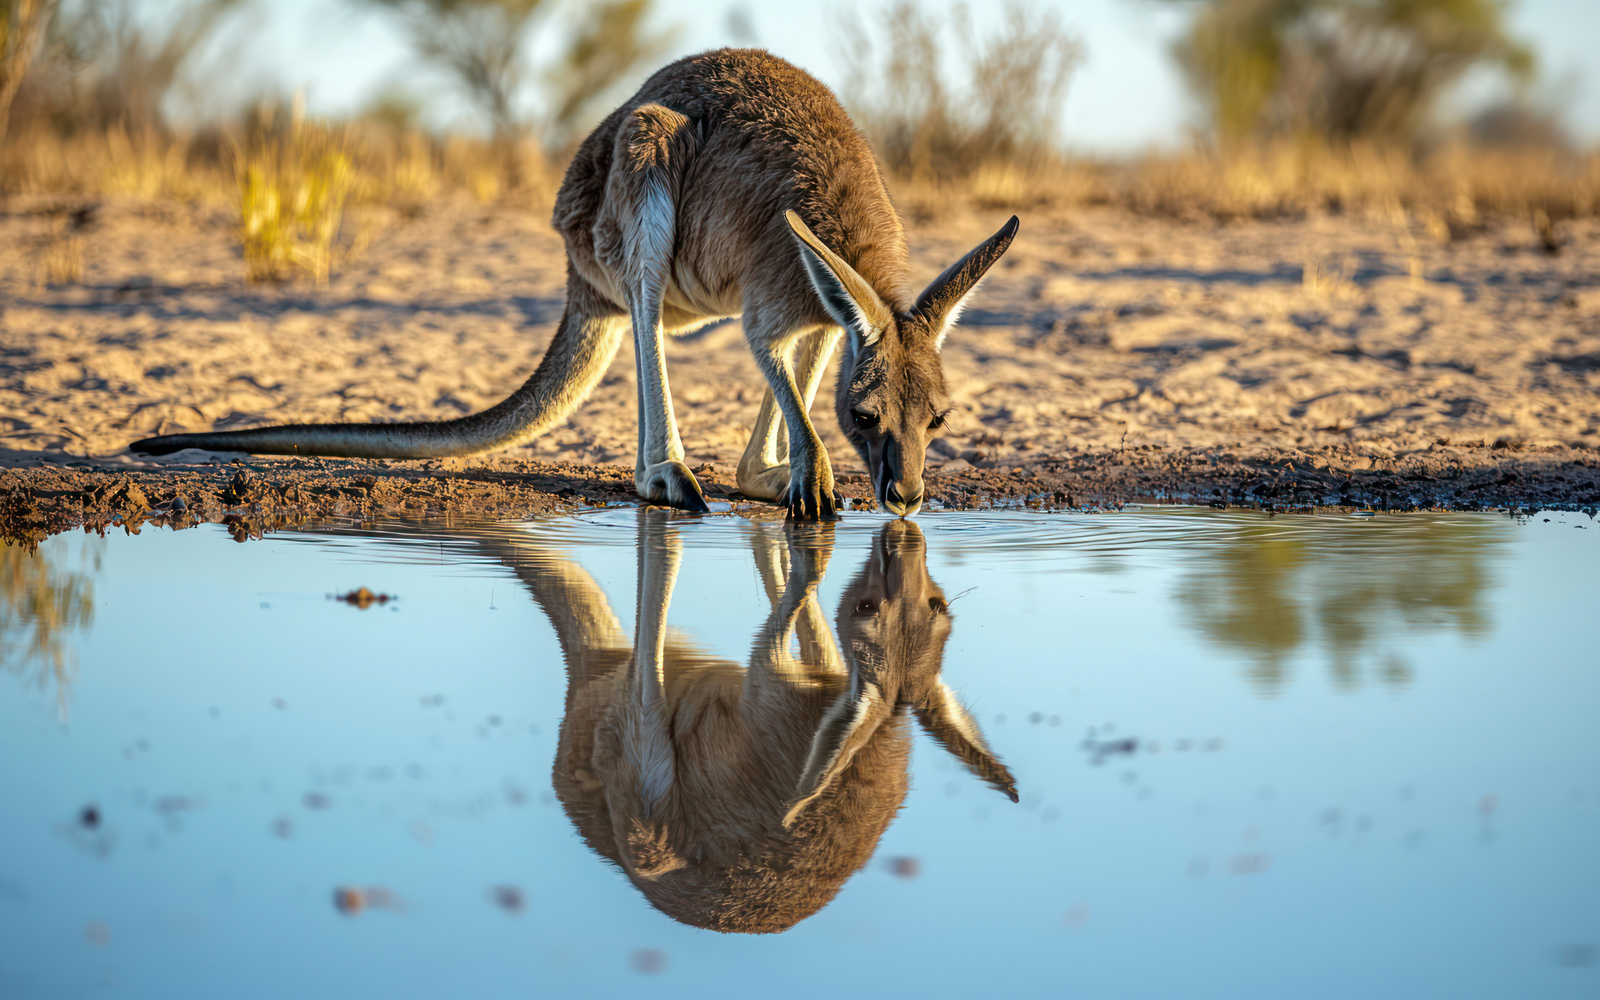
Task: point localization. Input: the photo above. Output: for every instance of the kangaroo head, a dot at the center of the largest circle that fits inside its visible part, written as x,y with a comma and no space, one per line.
891,397
893,623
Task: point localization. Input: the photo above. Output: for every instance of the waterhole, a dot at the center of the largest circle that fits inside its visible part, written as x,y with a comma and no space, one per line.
1296,755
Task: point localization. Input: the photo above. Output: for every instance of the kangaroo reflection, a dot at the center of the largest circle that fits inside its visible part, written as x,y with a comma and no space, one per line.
742,798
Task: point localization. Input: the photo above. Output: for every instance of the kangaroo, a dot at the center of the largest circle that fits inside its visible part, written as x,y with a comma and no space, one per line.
742,799
732,183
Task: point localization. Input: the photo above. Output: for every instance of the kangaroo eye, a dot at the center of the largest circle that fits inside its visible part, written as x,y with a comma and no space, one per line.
867,607
863,419
936,423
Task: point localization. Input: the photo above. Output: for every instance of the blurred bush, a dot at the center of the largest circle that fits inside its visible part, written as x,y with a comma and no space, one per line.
1335,105
92,65
42,605
1330,106
485,45
294,182
988,112
22,25
1319,106
88,97
1339,70
1276,597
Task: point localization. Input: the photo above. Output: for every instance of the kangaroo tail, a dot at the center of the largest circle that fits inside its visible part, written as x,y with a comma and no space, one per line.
590,332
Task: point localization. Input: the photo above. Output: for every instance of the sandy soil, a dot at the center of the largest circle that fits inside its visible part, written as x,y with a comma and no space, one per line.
1324,360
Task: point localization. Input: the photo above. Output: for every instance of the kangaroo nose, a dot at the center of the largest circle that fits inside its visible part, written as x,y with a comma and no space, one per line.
899,503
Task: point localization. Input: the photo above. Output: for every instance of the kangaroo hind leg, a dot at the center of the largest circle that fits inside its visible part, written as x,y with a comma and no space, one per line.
764,470
651,143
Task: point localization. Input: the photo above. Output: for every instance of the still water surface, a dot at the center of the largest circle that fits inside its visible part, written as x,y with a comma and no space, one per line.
1261,757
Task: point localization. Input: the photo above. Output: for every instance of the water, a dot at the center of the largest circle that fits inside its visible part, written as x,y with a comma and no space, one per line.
1262,757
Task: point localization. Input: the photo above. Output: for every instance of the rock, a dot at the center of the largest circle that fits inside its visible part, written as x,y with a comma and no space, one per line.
508,897
245,488
128,498
955,465
363,598
905,867
349,901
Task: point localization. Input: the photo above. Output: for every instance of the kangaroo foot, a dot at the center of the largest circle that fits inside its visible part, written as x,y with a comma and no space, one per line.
765,484
775,484
671,483
811,496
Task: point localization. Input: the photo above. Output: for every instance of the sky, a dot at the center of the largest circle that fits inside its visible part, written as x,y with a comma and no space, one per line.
1126,97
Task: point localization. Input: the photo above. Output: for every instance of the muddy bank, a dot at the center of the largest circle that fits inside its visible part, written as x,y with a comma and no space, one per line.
43,499
258,496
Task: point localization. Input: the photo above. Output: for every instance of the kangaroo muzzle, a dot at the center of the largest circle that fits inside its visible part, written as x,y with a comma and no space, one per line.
898,493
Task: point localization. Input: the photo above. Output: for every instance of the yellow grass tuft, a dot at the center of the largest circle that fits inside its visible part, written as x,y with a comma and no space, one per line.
61,263
1323,280
293,187
484,184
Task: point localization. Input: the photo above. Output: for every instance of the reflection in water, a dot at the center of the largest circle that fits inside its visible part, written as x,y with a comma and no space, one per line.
1267,592
740,798
41,605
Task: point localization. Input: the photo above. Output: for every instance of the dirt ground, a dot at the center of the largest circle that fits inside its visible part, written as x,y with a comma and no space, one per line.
1321,361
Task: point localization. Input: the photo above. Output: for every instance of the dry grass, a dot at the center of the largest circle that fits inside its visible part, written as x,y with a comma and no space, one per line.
61,263
146,167
298,188
980,110
296,183
1457,186
398,168
1453,192
293,187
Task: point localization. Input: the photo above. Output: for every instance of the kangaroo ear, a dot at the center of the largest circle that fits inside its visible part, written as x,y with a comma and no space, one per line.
844,292
941,302
850,722
945,719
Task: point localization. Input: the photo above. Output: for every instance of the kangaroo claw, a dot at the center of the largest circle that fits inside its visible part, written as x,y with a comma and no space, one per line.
812,504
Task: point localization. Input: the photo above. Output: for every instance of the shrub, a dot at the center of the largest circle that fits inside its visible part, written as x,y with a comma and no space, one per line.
293,186
1339,70
997,117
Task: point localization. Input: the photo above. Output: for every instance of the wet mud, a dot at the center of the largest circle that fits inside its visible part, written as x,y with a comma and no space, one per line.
253,497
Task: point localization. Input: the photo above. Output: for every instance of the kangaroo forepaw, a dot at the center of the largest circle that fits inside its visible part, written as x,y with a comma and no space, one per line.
813,498
671,483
